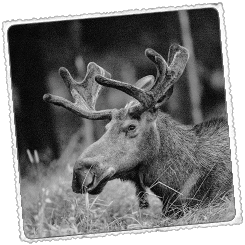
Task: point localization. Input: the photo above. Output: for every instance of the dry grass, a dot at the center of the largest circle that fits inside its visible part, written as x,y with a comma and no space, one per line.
50,208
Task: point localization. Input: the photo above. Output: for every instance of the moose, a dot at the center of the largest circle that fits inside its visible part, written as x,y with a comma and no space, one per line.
182,165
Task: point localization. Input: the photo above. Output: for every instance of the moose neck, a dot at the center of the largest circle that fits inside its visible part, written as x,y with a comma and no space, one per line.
175,160
177,140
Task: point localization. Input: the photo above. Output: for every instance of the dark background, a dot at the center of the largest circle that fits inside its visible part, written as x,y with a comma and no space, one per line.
117,44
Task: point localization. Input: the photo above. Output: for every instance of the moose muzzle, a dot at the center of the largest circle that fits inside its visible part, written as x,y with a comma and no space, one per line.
91,179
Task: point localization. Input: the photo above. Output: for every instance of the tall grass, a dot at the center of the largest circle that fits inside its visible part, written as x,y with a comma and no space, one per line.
51,209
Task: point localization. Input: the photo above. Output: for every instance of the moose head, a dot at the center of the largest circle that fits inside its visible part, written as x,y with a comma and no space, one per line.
131,140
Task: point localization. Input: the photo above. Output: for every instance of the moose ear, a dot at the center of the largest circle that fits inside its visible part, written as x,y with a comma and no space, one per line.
145,83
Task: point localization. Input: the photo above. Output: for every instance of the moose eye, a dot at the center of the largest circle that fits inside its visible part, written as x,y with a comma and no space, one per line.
131,127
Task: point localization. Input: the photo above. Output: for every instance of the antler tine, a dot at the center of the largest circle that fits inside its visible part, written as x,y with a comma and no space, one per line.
172,51
139,94
160,64
178,62
84,93
168,73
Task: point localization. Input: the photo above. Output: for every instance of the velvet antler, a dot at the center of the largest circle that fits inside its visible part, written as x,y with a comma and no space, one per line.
84,93
168,73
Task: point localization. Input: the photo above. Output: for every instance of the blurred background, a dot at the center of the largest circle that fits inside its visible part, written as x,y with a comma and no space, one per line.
52,136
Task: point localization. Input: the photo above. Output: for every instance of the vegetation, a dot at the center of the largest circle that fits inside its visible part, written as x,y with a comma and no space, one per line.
50,208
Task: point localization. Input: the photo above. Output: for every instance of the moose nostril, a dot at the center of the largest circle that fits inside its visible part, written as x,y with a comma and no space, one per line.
88,165
76,175
82,179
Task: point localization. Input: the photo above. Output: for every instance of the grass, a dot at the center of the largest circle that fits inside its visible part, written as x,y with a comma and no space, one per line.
50,208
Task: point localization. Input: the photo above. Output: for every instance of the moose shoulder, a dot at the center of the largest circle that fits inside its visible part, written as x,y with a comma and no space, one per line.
182,165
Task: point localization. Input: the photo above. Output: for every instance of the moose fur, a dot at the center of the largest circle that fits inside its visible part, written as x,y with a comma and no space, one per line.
182,165
193,165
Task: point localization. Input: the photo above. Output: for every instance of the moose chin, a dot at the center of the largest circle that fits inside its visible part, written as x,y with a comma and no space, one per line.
182,165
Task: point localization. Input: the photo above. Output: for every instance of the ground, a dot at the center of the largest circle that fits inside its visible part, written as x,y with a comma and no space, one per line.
50,208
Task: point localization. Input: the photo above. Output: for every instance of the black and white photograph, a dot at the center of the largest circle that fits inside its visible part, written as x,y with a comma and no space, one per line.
122,122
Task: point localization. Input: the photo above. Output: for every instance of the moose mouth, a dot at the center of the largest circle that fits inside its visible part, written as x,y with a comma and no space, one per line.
96,184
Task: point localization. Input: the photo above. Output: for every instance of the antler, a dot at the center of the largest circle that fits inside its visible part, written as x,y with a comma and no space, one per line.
167,74
85,93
